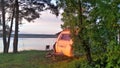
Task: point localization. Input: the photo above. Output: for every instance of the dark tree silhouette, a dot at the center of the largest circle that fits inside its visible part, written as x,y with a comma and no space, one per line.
4,26
28,10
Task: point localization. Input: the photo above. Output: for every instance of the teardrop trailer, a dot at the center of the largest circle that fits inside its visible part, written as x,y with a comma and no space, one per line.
63,45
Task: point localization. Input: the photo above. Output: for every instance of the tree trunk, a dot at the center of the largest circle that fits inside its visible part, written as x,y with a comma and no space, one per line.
15,43
87,50
84,42
11,25
4,27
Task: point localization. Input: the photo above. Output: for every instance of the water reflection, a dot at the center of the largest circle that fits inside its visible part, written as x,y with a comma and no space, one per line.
31,44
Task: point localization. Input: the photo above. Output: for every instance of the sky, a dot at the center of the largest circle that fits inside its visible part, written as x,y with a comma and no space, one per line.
46,24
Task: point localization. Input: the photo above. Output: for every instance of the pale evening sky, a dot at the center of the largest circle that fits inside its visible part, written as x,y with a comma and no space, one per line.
46,24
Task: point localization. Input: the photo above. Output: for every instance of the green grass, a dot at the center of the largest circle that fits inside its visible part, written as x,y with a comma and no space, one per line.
34,59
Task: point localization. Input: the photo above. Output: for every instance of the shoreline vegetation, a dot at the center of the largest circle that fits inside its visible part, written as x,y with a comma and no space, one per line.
34,59
34,35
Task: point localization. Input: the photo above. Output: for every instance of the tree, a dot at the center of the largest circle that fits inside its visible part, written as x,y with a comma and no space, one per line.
4,25
98,28
11,25
105,16
29,14
74,18
28,10
6,29
15,43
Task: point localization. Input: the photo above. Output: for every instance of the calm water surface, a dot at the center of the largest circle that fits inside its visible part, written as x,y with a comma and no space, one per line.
31,44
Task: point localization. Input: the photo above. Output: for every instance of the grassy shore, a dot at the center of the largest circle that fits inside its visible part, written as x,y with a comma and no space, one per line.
34,59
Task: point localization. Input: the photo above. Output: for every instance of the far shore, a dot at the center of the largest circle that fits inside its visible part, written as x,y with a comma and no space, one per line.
35,35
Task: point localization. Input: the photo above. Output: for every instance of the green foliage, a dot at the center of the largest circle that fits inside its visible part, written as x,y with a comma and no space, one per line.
113,55
99,29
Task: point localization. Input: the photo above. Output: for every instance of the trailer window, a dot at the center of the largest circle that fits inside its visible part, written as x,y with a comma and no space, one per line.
65,37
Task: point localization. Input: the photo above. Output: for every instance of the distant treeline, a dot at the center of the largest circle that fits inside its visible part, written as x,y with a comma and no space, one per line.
35,35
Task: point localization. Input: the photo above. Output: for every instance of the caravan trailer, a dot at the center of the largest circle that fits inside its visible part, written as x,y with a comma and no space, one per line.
64,43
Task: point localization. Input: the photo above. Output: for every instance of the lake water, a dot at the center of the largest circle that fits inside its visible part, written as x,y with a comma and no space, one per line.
31,44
